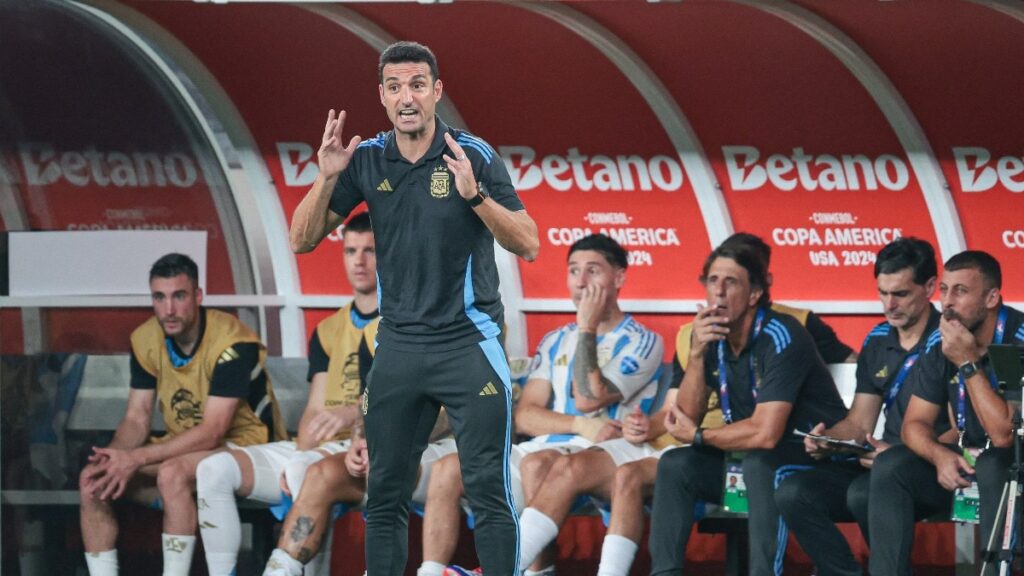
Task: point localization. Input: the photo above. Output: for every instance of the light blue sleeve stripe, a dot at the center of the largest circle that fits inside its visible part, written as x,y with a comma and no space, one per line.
477,140
478,148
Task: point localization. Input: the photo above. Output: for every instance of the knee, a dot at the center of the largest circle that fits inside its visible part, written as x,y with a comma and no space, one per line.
672,466
564,472
629,480
790,495
445,477
889,463
533,467
212,473
173,479
323,479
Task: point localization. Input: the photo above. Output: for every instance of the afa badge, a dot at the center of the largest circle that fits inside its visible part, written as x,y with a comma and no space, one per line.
439,183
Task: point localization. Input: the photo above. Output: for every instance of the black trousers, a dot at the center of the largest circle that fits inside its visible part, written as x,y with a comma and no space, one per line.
904,488
689,475
811,502
405,391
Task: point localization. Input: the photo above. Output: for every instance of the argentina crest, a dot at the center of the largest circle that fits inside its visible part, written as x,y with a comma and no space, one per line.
439,182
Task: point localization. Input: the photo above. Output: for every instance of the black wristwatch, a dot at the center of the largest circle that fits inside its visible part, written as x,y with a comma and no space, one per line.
698,437
967,370
478,199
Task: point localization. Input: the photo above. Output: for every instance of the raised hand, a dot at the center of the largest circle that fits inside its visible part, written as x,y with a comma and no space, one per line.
333,156
591,308
461,168
709,327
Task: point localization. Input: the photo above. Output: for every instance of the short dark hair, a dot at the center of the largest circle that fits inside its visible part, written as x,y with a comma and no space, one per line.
173,264
908,252
358,223
612,251
751,258
406,51
753,241
983,262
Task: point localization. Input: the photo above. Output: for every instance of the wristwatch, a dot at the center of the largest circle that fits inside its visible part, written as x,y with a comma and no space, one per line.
479,198
698,437
967,369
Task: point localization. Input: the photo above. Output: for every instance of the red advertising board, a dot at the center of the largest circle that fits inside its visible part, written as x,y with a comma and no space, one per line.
97,141
586,152
283,81
804,156
963,82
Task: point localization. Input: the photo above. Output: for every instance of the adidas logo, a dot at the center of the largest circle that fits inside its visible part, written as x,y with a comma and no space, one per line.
489,390
883,373
385,186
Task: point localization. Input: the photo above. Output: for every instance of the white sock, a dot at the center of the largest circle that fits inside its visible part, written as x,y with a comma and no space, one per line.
547,571
217,479
617,555
33,558
178,549
537,531
429,568
320,563
281,564
102,563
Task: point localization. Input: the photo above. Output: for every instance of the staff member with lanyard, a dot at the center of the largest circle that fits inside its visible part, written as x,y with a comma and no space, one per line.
812,502
953,371
770,380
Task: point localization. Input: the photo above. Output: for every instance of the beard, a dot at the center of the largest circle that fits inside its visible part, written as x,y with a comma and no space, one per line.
971,324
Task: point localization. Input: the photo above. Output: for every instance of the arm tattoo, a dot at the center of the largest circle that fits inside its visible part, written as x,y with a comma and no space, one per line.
305,555
302,529
585,363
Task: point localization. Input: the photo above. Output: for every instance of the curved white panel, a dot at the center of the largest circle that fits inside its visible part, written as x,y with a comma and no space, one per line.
708,192
934,187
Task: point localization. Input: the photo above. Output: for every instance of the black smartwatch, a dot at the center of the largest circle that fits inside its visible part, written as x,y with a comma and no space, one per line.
967,370
698,437
479,198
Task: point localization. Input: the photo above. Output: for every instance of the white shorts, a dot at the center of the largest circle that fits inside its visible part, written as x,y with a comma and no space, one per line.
623,452
434,452
269,461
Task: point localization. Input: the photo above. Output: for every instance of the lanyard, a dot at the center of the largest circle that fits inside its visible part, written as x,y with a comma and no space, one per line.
723,388
901,377
961,403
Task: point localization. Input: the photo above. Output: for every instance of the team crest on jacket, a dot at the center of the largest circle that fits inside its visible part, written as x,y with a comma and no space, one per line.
439,183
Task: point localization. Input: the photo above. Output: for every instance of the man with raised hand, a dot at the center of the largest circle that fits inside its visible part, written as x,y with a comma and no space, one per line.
812,502
439,198
770,381
953,377
634,481
265,472
205,368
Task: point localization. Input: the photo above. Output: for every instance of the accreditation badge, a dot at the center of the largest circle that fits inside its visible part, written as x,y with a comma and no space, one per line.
965,504
734,496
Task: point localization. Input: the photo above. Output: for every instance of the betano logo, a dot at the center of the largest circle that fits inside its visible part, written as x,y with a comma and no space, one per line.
746,170
975,168
43,166
824,171
597,172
